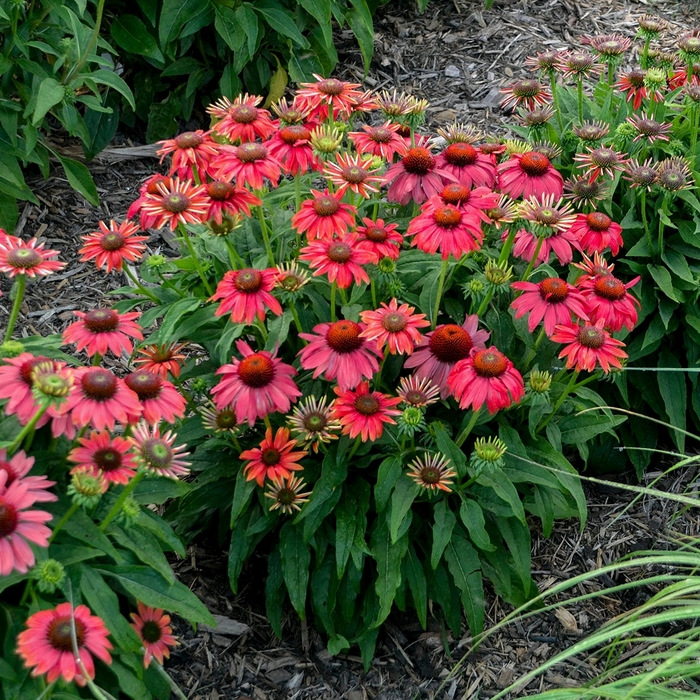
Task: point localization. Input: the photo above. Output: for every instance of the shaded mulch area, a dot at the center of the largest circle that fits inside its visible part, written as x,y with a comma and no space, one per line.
456,55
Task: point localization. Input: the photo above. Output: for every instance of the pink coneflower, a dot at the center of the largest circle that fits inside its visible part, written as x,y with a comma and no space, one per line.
258,384
589,345
154,631
328,92
248,164
161,359
16,385
418,392
530,175
382,141
608,300
528,92
593,268
380,238
159,399
337,351
580,190
443,348
289,113
591,130
291,145
157,454
601,161
274,459
596,232
102,330
476,202
394,326
544,61
246,294
468,165
552,299
340,258
578,64
110,247
46,646
175,202
17,468
19,526
561,243
649,129
192,151
150,186
100,399
673,174
504,211
352,172
446,228
18,257
228,199
640,174
241,120
415,177
486,377
633,84
363,412
609,47
103,454
324,215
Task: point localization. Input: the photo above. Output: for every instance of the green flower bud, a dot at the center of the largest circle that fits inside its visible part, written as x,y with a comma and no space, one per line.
129,513
86,487
539,382
655,79
625,131
12,348
488,455
155,261
49,575
498,275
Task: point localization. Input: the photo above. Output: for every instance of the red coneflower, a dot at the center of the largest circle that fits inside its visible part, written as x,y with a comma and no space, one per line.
161,359
248,164
363,412
156,453
416,177
340,258
594,268
380,238
258,384
16,385
633,84
106,455
324,215
443,348
600,161
530,175
154,631
552,299
486,377
160,400
17,468
225,198
102,330
175,202
589,345
394,326
192,151
46,646
110,247
561,242
608,300
18,257
241,120
528,92
338,351
328,92
504,211
382,141
352,172
246,295
274,459
609,47
468,165
596,232
291,146
150,186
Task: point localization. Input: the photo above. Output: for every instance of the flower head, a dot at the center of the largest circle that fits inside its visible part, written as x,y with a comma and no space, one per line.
248,164
649,129
580,190
416,177
640,174
353,172
394,326
191,152
157,454
18,257
154,631
49,575
312,422
324,215
600,161
432,472
16,385
226,199
380,238
46,645
245,294
161,359
17,468
106,455
579,64
175,202
219,421
591,130
86,486
103,330
159,399
537,117
546,62
467,165
287,494
529,174
609,47
528,92
650,26
241,120
589,345
291,146
673,174
274,458
363,412
488,455
633,84
607,299
596,232
110,247
418,392
341,259
382,141
291,278
326,94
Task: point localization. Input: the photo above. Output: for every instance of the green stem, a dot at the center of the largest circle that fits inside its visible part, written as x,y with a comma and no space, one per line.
27,429
96,359
334,287
531,264
265,236
66,517
580,100
233,256
469,427
354,448
555,100
693,133
260,325
663,211
139,286
441,286
645,53
378,376
195,259
507,246
173,685
116,508
533,352
295,316
560,401
91,44
611,74
20,286
297,192
647,232
373,290
485,302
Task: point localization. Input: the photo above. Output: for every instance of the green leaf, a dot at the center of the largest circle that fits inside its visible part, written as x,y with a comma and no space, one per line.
296,559
157,490
278,330
345,526
415,577
274,592
401,501
578,429
472,515
129,32
111,79
229,28
504,489
231,332
50,93
175,312
152,589
663,280
80,179
517,537
145,547
249,23
281,21
388,556
241,496
360,21
678,264
448,448
320,10
84,529
183,66
672,386
174,15
389,472
445,522
463,563
157,526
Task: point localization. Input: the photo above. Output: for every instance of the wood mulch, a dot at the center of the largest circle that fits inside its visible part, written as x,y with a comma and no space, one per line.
457,55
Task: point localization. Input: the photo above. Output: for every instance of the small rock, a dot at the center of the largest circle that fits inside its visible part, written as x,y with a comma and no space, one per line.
225,625
446,115
452,72
354,695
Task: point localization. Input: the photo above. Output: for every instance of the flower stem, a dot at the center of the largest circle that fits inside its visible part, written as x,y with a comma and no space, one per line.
533,352
378,376
20,286
66,517
265,236
580,100
297,192
531,264
469,427
173,685
555,100
334,287
507,246
195,259
373,290
485,302
139,286
647,232
560,400
645,53
116,508
663,212
295,316
693,133
233,256
441,287
27,429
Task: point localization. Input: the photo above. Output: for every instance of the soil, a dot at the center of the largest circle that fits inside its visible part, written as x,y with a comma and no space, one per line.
457,55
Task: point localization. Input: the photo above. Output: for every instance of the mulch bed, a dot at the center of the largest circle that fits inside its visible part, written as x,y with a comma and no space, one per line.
456,55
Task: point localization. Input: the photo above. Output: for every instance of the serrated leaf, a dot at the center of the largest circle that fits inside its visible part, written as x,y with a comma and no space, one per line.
296,559
445,522
401,500
463,563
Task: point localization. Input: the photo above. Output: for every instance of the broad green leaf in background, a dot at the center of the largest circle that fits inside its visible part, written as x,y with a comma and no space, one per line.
281,21
50,93
80,179
672,386
463,563
296,557
174,15
129,32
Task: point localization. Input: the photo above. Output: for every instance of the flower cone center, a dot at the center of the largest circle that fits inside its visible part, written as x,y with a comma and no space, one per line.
610,288
450,343
189,139
151,632
394,322
354,174
250,152
326,206
101,320
671,180
291,134
146,384
367,405
315,422
554,290
597,221
108,459
24,258
220,191
339,252
381,135
527,88
248,281
591,337
256,371
460,154
490,363
415,397
447,216
636,78
534,163
59,633
418,161
243,114
648,127
604,157
175,203
455,194
270,456
157,453
226,420
376,234
112,241
8,518
547,217
430,475
344,336
331,86
99,384
286,497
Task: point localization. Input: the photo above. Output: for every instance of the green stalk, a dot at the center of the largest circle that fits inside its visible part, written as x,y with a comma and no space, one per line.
441,287
334,287
531,264
295,316
647,232
485,302
66,517
297,192
373,290
265,236
116,508
139,286
555,100
173,685
580,100
645,53
20,286
560,401
507,246
90,47
693,133
533,352
663,211
233,256
195,259
378,376
27,429
468,428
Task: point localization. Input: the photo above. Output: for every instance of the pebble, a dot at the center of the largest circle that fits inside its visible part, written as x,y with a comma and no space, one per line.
452,72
